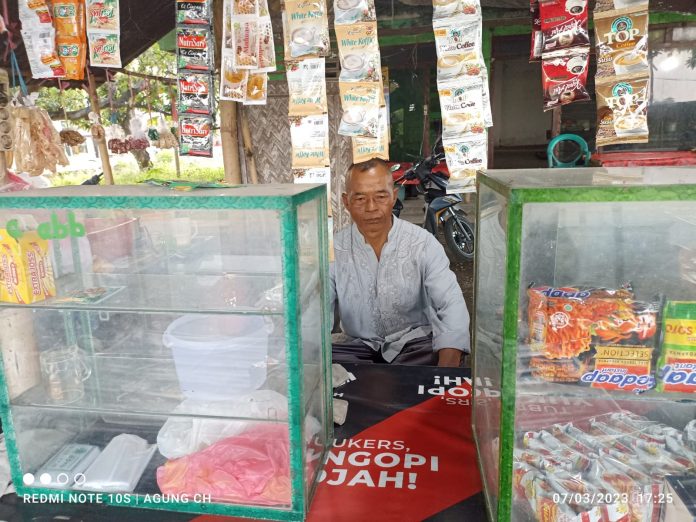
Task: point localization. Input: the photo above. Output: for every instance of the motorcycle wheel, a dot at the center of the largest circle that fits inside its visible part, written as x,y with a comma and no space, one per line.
459,236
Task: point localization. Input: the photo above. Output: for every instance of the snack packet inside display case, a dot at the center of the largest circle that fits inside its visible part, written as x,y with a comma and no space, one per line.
677,364
622,111
352,11
307,28
564,77
599,337
233,83
610,465
195,135
194,12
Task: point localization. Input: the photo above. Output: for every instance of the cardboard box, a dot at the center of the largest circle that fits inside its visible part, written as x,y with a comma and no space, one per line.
26,273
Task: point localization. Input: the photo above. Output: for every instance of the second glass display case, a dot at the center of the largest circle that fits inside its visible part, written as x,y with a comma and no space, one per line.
585,344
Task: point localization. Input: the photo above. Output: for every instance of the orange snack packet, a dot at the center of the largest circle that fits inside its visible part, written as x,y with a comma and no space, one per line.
73,55
69,19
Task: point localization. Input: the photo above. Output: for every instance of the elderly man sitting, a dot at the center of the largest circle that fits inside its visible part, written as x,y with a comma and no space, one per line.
398,301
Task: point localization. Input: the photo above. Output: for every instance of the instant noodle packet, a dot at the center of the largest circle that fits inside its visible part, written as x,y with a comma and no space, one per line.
677,363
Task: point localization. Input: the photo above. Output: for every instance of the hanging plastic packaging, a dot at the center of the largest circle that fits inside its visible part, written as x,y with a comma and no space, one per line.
196,135
194,12
195,93
194,46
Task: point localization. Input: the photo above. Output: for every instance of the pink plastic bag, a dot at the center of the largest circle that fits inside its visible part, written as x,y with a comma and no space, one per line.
250,468
13,183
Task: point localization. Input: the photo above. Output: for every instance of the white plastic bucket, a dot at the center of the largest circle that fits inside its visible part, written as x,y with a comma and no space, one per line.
218,357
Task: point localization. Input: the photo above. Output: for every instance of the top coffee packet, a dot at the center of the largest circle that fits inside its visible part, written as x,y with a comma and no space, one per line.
622,43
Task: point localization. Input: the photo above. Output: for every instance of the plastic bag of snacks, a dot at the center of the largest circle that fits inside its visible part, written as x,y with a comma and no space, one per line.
38,145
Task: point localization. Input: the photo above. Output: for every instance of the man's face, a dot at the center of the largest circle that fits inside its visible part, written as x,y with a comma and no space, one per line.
370,199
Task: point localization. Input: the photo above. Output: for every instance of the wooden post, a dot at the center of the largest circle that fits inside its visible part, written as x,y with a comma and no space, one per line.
230,141
249,147
175,119
101,143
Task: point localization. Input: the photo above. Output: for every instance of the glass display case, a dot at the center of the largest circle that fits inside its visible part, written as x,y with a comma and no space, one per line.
166,349
585,343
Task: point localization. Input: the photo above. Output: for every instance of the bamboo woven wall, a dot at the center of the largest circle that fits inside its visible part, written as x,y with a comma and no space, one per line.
270,133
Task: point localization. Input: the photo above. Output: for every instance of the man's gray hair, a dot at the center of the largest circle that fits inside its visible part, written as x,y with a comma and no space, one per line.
365,166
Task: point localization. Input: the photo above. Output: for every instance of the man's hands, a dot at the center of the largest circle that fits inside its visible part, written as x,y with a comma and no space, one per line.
449,357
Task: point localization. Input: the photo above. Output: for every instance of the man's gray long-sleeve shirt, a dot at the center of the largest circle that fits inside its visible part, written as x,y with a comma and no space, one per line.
409,293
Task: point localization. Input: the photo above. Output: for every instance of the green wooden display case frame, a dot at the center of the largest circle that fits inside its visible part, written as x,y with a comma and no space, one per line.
285,199
517,197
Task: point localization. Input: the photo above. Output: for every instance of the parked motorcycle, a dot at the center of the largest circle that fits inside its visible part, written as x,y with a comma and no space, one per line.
441,208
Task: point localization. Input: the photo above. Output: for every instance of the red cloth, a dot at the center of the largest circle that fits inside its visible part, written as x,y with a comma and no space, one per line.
645,159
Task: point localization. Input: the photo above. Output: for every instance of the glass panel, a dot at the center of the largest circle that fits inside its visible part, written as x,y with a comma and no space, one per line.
490,284
312,331
157,334
165,260
596,384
